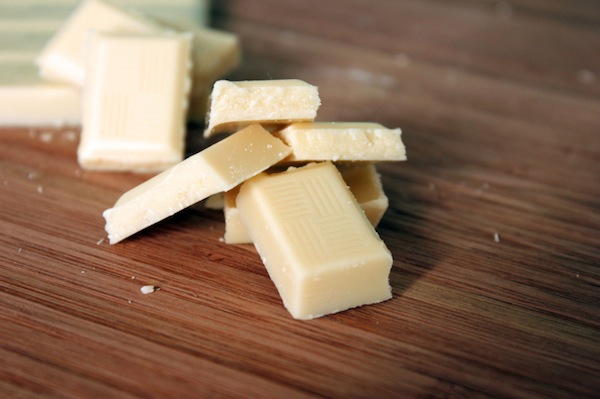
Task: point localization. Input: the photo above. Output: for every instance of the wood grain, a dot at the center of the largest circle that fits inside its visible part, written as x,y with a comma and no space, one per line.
493,223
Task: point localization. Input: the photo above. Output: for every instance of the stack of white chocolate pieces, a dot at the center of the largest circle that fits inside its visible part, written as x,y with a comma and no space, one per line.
312,225
141,80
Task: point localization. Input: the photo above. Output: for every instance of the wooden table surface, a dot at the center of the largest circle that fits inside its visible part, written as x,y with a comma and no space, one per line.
494,225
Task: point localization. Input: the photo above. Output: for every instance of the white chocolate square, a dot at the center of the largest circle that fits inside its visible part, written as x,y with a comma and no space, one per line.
320,250
218,168
62,59
269,102
135,100
342,141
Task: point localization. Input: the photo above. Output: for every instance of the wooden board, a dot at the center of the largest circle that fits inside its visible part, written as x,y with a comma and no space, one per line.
493,224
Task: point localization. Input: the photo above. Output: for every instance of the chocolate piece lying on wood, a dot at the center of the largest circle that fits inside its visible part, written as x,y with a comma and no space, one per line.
317,245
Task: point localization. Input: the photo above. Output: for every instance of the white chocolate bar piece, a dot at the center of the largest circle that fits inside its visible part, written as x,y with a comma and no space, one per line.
362,179
235,230
216,53
27,100
218,168
62,59
272,102
365,184
342,141
135,101
320,250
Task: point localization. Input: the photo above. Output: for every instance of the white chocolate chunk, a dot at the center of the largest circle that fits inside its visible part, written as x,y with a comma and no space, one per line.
272,102
27,100
342,141
62,59
362,179
50,14
320,250
216,53
218,168
235,230
365,184
147,289
135,101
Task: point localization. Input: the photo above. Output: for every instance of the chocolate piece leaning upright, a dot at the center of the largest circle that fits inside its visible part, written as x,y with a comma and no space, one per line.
317,245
